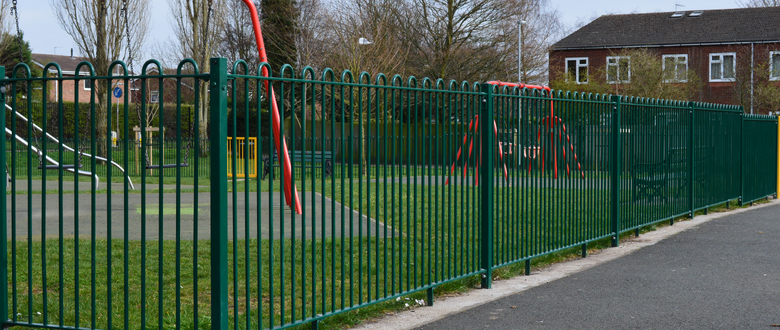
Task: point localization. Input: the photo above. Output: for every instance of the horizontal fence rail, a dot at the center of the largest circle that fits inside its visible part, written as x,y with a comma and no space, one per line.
389,186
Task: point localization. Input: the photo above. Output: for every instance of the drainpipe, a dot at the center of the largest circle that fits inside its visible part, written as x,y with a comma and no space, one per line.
752,71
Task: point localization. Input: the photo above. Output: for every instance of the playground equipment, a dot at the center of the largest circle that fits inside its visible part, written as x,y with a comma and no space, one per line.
54,163
474,124
553,124
144,142
246,152
290,191
147,142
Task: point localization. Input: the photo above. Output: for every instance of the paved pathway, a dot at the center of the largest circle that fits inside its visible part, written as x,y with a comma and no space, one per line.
723,274
720,271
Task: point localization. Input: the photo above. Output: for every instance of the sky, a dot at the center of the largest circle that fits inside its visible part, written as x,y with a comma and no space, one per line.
42,30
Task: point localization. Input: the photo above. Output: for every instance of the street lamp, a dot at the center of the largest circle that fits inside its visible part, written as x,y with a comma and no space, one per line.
520,50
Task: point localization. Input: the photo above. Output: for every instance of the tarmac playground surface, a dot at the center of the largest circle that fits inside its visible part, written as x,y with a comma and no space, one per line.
79,206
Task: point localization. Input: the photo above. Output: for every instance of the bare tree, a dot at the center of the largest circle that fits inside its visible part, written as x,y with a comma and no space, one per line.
456,39
197,24
754,88
767,92
363,38
237,39
99,30
760,3
309,41
542,28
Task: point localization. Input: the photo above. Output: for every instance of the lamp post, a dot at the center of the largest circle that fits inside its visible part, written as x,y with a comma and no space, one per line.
520,50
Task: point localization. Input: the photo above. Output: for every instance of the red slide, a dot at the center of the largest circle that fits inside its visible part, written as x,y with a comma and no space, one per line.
290,191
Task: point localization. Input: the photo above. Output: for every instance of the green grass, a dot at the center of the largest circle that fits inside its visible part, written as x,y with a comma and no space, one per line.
350,264
440,219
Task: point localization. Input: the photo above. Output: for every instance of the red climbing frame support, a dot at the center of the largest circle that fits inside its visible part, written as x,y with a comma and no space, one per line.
551,122
475,125
290,191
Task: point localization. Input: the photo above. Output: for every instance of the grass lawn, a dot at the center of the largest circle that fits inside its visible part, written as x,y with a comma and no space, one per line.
431,235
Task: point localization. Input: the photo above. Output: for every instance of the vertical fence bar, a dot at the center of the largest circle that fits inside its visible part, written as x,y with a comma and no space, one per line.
741,158
615,167
777,165
218,136
486,190
4,215
691,155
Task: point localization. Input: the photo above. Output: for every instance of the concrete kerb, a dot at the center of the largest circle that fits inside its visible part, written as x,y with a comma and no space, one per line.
446,306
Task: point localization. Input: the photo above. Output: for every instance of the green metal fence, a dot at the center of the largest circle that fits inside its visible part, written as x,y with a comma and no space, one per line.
759,147
404,184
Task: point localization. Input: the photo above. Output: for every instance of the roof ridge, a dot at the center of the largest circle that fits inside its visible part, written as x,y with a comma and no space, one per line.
736,25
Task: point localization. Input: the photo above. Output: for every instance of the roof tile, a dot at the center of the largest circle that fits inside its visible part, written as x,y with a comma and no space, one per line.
658,29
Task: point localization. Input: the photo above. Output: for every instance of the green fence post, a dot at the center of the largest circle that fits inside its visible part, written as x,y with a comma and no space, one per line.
615,175
691,155
486,191
742,158
3,211
218,150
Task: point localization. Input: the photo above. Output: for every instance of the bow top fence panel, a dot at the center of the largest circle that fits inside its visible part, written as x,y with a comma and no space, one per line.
124,212
101,228
553,179
759,148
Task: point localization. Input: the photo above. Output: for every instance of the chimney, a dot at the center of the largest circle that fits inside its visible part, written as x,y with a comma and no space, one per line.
71,53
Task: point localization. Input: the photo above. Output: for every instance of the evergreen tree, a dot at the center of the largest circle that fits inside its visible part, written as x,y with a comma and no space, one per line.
279,19
10,55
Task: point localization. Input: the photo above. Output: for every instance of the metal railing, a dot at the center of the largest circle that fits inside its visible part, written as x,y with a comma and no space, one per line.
403,185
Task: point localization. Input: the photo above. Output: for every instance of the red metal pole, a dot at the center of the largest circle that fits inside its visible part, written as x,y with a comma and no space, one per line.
281,144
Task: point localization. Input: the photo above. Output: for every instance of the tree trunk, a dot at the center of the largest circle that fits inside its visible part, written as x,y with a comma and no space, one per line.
202,123
101,134
101,69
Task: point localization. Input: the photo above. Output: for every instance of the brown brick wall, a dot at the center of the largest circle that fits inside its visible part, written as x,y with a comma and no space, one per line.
69,91
698,60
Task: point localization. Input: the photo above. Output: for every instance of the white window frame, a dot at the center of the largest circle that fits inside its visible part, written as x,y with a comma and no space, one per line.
154,96
676,78
771,66
722,67
86,81
617,64
578,65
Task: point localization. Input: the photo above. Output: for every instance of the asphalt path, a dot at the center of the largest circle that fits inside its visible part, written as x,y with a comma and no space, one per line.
722,274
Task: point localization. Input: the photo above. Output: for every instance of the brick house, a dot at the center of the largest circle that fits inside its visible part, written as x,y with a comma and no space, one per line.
68,66
169,87
725,48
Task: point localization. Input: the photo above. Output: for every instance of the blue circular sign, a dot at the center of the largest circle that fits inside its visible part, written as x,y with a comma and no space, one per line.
117,92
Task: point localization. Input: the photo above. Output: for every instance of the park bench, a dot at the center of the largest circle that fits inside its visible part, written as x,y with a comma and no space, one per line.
312,159
653,179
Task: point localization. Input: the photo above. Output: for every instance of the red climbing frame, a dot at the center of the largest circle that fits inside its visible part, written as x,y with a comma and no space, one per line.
552,122
290,191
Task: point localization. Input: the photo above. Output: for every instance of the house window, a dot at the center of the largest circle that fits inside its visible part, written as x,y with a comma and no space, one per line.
87,84
675,68
618,69
577,68
722,66
774,65
154,97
